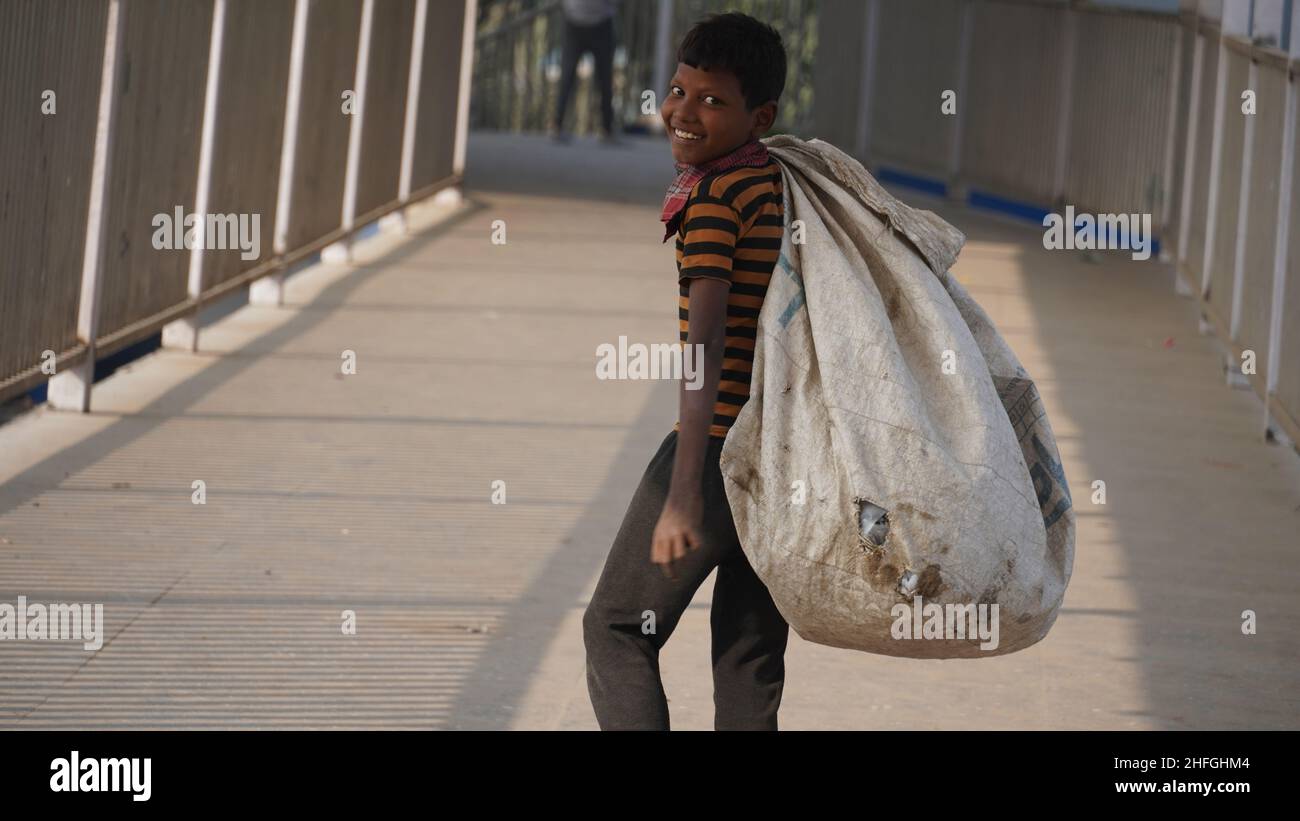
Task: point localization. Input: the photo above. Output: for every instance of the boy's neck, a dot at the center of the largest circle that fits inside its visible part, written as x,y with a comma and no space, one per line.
726,154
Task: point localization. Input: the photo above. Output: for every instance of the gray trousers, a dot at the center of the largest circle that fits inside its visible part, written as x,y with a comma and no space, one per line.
635,608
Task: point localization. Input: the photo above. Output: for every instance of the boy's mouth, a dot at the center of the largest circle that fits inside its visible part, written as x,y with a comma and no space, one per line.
685,136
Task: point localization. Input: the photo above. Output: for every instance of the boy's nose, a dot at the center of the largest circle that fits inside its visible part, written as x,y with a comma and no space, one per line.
686,113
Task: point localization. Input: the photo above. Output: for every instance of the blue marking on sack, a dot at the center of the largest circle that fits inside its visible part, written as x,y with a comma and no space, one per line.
798,300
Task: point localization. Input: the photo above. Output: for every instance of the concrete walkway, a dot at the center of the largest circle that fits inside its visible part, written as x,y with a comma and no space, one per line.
371,492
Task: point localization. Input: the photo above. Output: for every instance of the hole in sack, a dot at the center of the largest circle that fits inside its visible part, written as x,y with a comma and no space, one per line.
873,525
907,583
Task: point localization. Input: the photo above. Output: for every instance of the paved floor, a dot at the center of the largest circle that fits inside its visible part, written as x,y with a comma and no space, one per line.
371,492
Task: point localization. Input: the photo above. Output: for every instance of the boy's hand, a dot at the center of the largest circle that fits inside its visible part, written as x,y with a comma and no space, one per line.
678,531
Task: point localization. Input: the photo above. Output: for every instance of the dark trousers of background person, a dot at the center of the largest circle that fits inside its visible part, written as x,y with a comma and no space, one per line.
749,633
598,39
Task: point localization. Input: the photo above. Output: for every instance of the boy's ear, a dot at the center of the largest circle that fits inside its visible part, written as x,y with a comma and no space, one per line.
764,118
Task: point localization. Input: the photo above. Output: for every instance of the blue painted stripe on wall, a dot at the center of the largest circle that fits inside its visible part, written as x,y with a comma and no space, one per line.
929,185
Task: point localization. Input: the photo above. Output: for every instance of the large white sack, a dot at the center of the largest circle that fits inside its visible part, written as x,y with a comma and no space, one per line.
850,397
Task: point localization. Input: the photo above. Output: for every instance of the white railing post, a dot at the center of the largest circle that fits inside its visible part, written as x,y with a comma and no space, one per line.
183,333
664,55
1066,95
269,290
1243,222
341,251
867,87
1189,160
396,221
957,189
1171,145
452,195
1216,149
70,389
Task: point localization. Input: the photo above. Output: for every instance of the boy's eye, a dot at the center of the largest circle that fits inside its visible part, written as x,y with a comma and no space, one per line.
676,91
711,100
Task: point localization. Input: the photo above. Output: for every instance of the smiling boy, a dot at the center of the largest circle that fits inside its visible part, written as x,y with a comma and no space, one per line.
725,208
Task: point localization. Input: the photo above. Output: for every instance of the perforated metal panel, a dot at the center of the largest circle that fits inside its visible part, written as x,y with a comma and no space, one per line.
1288,353
1124,72
329,69
385,103
1261,229
1010,144
435,131
249,129
45,162
155,155
917,61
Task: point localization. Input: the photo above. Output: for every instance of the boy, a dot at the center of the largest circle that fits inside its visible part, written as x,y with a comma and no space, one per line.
726,209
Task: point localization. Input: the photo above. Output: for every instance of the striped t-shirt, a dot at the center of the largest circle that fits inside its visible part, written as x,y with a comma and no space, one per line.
730,230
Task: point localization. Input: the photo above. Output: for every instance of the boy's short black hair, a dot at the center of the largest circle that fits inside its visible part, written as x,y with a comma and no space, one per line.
746,47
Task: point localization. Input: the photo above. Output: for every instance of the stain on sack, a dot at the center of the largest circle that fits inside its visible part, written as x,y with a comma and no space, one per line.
745,481
906,508
930,583
892,305
881,574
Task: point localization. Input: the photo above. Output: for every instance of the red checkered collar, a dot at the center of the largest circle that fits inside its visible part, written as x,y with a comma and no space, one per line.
752,153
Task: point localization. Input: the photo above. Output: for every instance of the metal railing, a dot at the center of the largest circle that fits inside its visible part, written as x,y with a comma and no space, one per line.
1112,111
1239,234
517,61
300,121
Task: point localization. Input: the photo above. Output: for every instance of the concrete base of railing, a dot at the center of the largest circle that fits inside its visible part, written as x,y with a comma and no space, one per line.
269,290
70,389
337,252
181,334
394,223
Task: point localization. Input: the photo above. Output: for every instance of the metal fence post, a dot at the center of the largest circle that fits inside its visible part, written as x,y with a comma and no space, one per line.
1216,149
1181,285
957,189
1171,144
1063,115
452,195
341,251
269,290
396,221
664,56
1243,221
871,24
70,389
183,333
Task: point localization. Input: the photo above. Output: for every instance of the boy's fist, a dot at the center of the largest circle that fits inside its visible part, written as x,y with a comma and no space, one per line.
678,531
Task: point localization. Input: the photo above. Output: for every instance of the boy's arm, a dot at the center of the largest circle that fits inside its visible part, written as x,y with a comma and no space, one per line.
710,231
679,524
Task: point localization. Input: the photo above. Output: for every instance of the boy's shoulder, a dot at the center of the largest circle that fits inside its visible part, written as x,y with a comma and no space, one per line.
727,185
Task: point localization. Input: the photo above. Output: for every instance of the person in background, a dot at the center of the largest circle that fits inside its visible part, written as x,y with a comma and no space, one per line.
588,27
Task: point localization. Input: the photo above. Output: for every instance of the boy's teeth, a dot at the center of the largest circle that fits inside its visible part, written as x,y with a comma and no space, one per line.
686,135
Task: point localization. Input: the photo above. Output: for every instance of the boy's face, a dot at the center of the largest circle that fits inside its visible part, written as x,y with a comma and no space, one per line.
705,114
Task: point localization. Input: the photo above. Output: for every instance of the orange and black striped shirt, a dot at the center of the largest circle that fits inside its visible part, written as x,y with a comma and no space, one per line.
730,230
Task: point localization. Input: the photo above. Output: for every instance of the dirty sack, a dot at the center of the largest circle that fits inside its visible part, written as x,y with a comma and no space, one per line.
894,464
